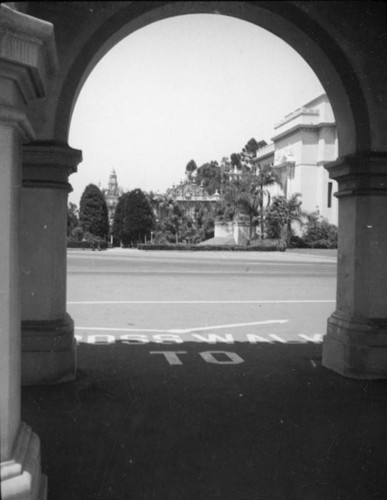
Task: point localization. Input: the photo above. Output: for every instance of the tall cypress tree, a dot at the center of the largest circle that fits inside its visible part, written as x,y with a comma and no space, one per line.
93,212
134,218
117,229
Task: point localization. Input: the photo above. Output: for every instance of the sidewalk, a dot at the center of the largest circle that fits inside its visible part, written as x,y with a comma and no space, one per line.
277,427
317,252
290,255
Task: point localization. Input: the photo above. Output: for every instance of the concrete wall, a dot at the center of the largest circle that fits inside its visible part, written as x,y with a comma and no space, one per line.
223,229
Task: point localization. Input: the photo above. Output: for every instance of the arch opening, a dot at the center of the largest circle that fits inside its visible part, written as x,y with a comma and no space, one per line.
279,94
291,25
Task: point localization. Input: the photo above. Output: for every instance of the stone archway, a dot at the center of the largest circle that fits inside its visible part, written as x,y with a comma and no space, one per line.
319,40
343,44
315,45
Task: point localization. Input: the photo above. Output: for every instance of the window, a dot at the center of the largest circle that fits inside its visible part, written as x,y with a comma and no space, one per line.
330,184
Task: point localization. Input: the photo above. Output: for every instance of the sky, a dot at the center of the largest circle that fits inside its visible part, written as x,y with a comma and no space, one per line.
197,86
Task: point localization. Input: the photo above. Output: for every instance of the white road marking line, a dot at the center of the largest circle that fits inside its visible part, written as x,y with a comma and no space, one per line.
107,329
122,302
181,330
235,325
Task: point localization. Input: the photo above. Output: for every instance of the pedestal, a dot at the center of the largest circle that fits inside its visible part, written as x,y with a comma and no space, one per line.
20,475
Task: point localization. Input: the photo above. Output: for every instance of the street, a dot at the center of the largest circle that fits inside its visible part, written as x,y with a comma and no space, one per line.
200,378
213,298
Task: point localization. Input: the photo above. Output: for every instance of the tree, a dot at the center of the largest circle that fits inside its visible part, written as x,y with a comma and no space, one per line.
205,221
72,217
118,221
190,168
235,160
172,222
251,148
266,177
93,212
249,153
282,214
134,218
176,224
246,195
242,197
209,176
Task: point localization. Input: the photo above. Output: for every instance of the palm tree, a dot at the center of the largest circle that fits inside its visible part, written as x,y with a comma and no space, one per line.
266,178
249,203
283,213
294,214
246,196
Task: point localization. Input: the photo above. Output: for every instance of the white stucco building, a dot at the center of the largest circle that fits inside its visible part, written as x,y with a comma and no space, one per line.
303,142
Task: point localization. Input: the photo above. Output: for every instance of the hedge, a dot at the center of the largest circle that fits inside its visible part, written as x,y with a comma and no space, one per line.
323,244
297,242
258,246
87,245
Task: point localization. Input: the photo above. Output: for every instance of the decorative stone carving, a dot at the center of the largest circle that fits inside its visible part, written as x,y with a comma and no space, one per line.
30,45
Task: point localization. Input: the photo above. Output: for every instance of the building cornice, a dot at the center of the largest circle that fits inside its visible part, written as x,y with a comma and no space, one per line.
297,112
302,128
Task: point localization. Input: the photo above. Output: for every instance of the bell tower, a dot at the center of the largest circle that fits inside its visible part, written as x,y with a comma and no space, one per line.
113,184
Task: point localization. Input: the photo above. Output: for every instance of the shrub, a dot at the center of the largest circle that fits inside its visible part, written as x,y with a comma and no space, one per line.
89,241
297,242
76,234
102,245
259,246
320,232
323,244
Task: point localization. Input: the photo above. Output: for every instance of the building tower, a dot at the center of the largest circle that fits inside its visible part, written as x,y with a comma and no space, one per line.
112,193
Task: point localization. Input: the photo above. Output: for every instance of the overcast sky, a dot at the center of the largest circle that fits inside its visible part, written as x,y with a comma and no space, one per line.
190,87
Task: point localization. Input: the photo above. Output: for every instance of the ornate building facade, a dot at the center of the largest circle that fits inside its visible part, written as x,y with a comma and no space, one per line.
190,196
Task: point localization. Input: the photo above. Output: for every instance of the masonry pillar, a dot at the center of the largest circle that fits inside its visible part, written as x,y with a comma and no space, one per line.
48,344
356,341
27,58
241,229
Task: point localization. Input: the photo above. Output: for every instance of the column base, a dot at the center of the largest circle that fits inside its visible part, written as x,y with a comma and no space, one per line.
48,352
21,476
356,348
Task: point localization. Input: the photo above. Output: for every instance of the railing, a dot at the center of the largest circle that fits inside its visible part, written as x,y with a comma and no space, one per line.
294,114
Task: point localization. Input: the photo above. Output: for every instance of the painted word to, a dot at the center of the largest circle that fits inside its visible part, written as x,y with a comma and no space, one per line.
214,357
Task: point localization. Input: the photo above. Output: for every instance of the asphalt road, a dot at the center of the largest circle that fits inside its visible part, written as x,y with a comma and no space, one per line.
200,378
219,297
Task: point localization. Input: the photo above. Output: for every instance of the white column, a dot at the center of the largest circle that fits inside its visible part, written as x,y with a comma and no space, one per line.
27,56
356,340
